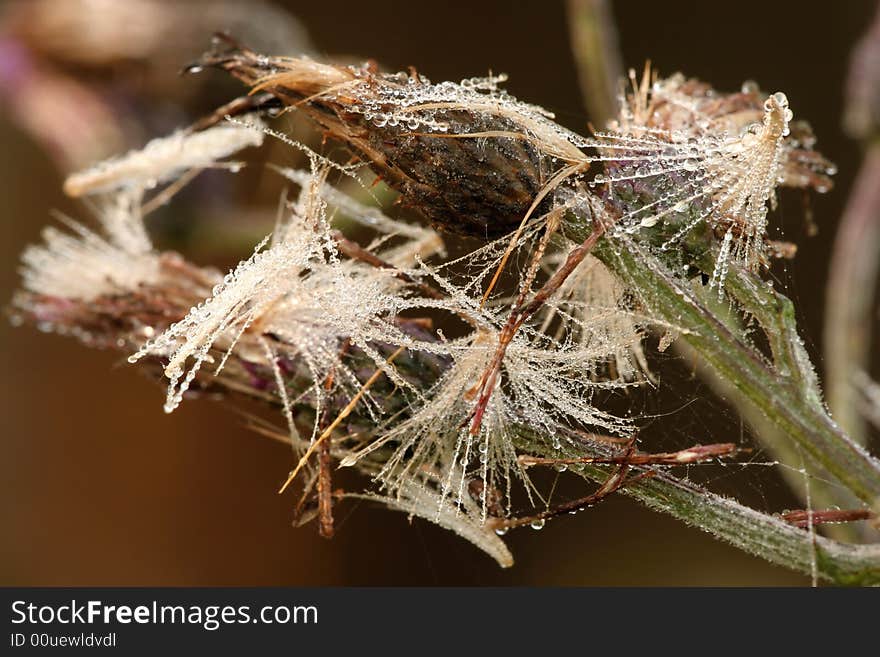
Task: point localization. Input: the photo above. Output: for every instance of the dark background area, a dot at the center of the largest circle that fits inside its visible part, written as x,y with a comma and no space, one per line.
100,487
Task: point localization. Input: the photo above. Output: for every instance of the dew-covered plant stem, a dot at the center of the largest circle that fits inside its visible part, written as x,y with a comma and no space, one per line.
761,534
786,393
595,49
824,492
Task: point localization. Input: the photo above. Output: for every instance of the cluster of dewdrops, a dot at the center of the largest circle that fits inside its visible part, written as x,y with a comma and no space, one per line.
699,170
414,103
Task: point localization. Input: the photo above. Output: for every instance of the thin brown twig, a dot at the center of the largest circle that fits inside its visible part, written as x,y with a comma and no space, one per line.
325,491
325,482
688,456
344,413
236,107
519,315
617,480
356,252
803,518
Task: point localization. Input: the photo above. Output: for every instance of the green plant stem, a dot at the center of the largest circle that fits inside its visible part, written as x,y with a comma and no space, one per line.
757,533
784,398
823,494
775,313
597,56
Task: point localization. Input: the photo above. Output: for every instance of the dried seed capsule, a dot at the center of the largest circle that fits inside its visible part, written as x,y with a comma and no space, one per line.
468,156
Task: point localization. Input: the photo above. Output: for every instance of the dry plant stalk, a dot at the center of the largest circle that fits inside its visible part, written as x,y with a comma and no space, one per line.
614,231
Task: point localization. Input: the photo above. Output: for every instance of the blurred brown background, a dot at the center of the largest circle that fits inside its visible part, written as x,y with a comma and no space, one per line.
100,487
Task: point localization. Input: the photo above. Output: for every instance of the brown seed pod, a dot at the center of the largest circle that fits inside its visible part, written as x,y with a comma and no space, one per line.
478,177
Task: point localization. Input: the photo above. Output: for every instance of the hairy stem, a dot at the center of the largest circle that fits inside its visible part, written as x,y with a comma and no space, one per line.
785,398
823,494
775,314
757,533
597,56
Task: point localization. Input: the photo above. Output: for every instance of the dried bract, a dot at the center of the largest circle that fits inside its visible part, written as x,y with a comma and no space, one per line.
164,159
421,137
681,155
